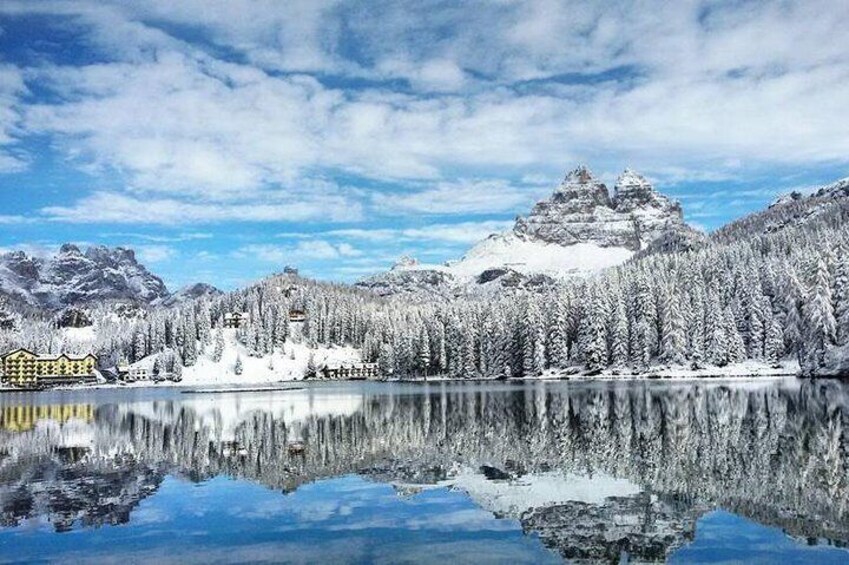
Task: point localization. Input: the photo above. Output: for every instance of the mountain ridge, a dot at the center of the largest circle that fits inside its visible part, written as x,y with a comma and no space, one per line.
73,277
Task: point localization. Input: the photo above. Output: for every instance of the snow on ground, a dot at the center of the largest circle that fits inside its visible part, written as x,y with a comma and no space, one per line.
533,256
745,369
287,365
527,256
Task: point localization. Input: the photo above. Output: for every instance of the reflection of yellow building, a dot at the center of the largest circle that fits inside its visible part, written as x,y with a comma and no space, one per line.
23,418
24,368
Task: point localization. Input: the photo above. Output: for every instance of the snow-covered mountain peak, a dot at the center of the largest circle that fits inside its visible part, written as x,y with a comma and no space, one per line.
580,190
634,194
74,277
579,176
579,229
631,181
581,211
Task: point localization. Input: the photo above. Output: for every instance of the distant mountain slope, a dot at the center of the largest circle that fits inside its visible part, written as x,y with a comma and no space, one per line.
191,292
828,204
579,229
74,277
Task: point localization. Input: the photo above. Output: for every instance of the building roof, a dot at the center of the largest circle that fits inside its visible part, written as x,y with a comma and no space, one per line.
49,356
15,351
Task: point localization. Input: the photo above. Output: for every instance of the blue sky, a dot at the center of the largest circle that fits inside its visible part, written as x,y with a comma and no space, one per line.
225,139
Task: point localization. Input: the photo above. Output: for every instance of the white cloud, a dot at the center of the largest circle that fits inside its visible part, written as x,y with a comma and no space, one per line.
302,251
14,219
11,89
180,237
460,232
462,197
155,253
107,207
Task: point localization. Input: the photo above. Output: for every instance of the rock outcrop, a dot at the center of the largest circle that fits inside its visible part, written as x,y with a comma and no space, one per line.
582,211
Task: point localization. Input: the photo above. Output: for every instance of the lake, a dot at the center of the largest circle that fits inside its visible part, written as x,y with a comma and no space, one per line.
539,472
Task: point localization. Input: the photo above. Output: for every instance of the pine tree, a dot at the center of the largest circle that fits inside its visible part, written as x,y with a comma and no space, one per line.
558,348
619,335
218,350
238,368
716,349
774,346
841,298
673,339
312,367
820,324
593,341
734,341
423,356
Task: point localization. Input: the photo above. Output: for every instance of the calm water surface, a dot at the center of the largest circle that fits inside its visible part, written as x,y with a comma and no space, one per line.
440,473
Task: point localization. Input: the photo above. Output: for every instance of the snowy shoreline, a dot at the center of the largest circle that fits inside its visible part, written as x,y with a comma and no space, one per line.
747,371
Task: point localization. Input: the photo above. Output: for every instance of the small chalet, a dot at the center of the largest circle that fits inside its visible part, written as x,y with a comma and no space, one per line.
131,374
235,319
297,315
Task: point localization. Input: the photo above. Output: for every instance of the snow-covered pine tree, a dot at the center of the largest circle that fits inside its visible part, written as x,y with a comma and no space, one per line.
218,345
592,340
820,324
558,341
619,338
774,345
672,338
840,297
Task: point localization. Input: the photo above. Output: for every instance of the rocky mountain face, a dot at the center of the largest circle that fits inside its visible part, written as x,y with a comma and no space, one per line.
579,229
581,210
74,277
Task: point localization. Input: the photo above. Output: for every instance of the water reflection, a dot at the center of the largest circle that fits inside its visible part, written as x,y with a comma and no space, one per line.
594,470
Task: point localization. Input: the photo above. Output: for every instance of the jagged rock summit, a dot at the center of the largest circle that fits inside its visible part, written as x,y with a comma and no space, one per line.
582,211
74,277
579,229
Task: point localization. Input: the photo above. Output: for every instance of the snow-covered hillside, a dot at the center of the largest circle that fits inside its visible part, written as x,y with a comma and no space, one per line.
529,256
288,364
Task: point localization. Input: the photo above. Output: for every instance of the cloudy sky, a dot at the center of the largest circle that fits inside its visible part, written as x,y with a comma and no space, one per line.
224,139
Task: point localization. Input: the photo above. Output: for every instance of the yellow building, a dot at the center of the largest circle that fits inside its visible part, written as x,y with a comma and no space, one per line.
24,368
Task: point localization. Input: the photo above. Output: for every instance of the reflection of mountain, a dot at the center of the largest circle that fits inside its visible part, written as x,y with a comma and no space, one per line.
658,456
